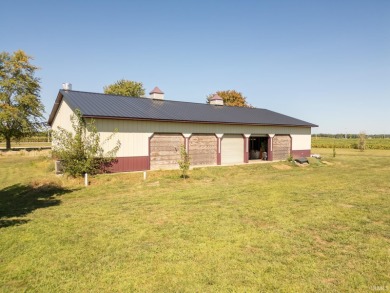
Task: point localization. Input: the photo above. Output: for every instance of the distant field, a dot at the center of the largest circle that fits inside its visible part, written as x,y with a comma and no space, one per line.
272,227
350,143
26,144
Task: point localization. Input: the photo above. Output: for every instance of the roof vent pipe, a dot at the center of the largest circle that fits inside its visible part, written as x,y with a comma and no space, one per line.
216,100
157,94
67,86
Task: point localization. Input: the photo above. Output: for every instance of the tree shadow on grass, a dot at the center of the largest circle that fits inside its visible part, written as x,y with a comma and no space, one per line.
18,200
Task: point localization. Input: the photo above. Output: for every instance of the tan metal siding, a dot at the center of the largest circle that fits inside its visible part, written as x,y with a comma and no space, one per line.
165,151
176,127
134,135
301,141
62,117
172,127
133,142
203,149
281,145
232,150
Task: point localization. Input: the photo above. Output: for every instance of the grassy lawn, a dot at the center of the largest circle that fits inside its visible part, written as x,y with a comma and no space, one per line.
251,228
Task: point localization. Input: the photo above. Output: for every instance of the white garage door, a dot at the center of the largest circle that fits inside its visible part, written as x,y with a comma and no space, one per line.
232,149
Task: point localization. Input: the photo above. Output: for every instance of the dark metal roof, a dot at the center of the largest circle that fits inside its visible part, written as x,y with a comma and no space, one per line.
121,107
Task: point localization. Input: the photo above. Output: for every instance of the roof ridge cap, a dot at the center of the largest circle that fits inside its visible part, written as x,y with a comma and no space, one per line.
165,100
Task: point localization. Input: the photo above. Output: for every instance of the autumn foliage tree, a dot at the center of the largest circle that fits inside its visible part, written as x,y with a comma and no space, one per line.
231,98
125,87
20,106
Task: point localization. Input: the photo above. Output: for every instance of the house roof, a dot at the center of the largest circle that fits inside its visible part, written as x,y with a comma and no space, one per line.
97,105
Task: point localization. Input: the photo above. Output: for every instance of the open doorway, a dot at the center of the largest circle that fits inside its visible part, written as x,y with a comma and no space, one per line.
258,148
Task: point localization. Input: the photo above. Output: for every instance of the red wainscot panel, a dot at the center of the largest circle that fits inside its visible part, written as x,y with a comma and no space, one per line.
128,164
300,153
218,151
269,148
246,149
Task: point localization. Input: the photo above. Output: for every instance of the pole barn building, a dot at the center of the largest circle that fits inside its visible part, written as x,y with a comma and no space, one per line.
151,130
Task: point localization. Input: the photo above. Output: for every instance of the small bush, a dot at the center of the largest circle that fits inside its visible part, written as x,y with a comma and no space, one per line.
184,162
362,141
314,162
81,151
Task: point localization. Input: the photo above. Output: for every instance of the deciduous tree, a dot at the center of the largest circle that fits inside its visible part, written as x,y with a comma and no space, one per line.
125,88
20,106
231,98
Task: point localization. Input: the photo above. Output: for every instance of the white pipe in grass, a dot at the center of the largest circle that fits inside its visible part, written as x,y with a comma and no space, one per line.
144,175
86,179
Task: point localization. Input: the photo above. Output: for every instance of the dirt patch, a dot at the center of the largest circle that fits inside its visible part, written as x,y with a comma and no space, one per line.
320,242
282,167
302,165
327,163
330,281
251,250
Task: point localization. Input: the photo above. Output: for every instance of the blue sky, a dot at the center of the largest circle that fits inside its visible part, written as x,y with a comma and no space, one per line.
326,62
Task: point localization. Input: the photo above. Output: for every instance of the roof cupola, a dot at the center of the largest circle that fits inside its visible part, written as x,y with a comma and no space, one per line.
157,94
216,100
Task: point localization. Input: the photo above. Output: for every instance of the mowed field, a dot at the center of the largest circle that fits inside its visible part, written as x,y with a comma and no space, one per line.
251,228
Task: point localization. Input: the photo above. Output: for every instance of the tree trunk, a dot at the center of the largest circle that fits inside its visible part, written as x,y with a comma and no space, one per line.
8,143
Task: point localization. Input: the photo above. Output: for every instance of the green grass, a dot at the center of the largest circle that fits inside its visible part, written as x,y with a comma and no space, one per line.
350,143
251,228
